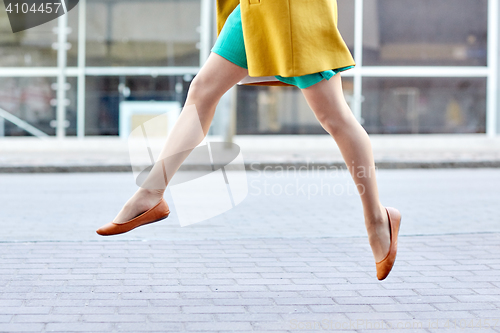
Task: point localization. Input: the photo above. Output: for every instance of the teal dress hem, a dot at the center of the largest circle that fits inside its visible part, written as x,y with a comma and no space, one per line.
230,45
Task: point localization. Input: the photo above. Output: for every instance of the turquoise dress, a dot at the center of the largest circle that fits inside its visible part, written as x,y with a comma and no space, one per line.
230,45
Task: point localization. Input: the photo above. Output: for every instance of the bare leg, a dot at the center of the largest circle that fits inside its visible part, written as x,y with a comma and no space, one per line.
327,101
215,78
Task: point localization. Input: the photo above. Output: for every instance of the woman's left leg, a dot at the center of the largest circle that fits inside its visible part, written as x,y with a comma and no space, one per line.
327,101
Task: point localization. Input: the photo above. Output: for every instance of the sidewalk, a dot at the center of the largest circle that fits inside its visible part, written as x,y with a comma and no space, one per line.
445,283
274,263
109,154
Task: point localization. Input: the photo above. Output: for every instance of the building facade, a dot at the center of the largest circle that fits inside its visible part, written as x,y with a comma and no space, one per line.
421,67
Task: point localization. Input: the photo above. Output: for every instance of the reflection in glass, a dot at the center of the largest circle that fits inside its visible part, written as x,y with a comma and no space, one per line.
30,99
28,48
424,105
104,94
345,22
143,33
72,55
278,110
424,33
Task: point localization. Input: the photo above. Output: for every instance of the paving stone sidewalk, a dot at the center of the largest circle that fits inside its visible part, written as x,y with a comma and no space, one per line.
274,263
442,283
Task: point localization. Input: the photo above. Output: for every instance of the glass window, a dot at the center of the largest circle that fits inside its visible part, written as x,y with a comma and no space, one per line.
424,105
346,22
104,94
71,108
425,33
278,110
32,47
72,54
143,33
30,99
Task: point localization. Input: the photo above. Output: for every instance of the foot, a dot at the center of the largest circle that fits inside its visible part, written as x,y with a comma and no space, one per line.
140,202
379,234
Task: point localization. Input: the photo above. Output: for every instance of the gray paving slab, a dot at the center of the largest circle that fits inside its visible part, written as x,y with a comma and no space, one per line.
274,263
281,303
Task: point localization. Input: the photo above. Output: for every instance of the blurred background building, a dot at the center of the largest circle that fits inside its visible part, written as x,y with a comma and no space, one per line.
422,67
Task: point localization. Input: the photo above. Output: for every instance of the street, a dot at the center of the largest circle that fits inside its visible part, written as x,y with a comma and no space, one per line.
292,257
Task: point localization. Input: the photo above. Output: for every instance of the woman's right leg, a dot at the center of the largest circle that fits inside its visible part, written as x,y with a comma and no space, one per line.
213,80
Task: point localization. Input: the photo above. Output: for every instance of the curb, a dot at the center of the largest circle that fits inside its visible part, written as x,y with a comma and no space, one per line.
254,166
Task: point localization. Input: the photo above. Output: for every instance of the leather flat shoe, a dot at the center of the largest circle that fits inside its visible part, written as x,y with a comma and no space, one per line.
385,265
157,213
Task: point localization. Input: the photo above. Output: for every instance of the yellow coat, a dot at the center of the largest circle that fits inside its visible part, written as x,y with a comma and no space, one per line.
288,37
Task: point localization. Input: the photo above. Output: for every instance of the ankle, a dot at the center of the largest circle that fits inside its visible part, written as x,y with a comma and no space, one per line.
376,219
150,192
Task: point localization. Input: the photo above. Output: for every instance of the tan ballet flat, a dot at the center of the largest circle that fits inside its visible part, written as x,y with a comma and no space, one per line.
157,213
384,266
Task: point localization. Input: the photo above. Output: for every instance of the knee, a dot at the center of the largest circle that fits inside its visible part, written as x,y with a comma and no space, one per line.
336,124
201,90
